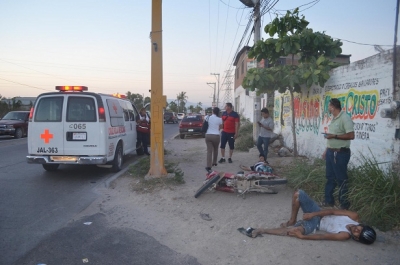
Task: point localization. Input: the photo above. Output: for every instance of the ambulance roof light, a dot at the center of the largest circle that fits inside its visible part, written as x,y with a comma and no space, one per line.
118,95
71,88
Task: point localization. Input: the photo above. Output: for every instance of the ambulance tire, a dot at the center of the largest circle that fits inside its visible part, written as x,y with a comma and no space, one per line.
118,159
50,167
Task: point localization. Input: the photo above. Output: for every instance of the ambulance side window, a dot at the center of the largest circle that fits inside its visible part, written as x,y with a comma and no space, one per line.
131,115
81,109
49,109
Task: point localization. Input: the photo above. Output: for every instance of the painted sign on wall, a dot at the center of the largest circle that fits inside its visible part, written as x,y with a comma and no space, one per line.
363,88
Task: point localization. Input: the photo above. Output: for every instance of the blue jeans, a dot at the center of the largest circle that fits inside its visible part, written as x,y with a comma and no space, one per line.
308,206
336,175
263,141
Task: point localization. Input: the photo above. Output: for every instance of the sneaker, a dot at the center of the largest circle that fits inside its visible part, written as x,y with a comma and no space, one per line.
214,165
208,169
222,160
230,160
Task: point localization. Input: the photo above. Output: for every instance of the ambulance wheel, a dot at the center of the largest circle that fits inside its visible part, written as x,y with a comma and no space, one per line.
50,167
18,133
118,159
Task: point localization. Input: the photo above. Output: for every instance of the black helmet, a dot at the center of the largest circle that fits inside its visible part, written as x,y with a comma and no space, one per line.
367,235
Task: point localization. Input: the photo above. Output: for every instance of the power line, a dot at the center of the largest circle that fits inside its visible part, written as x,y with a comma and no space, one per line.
24,84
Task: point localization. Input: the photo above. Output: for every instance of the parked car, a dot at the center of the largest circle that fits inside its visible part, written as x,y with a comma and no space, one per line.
170,117
180,116
191,125
15,123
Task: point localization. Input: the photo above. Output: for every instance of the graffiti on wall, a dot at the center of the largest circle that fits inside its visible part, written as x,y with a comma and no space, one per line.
358,104
307,113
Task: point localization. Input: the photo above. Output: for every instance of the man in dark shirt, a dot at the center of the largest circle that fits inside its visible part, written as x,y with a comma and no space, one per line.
230,131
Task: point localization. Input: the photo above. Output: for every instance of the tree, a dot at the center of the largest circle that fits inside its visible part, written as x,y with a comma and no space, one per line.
191,108
198,107
182,99
172,106
136,99
315,51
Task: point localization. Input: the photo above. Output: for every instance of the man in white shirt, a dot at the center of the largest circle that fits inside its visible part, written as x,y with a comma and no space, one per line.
266,130
338,224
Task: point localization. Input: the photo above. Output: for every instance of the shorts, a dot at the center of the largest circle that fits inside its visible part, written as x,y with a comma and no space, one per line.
308,206
227,137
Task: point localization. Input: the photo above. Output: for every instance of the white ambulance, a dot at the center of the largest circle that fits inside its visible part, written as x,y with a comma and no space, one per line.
73,126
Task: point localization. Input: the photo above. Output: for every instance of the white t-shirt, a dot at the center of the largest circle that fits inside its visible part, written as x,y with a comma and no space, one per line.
213,124
336,223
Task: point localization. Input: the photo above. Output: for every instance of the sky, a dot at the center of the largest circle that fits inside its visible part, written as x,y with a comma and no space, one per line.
105,45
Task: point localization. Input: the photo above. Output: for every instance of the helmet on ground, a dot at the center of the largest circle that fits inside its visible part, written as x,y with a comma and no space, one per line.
367,235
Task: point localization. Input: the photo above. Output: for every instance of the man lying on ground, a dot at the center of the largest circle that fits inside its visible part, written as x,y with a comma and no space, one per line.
260,166
339,224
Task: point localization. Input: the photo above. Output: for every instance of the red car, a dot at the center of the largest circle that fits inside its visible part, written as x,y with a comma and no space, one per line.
15,123
191,125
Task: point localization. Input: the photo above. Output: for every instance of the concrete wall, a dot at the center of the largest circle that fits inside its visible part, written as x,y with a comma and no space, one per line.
364,88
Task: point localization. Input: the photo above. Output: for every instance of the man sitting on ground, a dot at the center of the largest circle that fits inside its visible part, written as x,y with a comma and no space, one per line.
339,224
260,166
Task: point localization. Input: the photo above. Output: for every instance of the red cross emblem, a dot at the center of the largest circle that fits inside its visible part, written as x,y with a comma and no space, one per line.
46,136
115,109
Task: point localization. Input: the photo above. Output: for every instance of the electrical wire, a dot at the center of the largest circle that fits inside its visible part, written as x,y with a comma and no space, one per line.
232,6
226,26
24,84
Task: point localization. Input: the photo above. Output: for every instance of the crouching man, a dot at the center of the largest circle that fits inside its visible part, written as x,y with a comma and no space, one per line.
338,224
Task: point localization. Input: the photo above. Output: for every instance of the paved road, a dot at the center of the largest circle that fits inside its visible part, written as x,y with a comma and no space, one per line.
36,206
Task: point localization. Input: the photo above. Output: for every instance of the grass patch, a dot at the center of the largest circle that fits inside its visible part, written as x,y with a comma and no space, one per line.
373,192
245,140
140,170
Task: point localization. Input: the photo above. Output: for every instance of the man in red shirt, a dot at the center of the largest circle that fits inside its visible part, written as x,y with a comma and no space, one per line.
230,131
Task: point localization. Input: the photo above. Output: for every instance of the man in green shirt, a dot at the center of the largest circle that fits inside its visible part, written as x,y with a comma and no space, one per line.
337,154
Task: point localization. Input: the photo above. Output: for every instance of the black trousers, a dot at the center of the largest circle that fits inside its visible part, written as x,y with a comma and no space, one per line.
143,139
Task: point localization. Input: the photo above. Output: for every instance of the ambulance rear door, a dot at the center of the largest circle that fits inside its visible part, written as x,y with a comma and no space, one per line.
46,131
82,130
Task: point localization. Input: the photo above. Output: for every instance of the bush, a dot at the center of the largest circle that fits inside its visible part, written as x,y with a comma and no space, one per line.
373,192
140,170
245,140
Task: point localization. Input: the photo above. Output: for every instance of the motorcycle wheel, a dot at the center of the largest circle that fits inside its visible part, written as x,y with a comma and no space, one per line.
272,182
206,185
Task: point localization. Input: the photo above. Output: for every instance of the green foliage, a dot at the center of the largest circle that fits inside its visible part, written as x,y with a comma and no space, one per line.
137,99
373,193
245,140
315,50
139,170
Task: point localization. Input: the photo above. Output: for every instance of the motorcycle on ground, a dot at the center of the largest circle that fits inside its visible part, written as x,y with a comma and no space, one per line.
241,183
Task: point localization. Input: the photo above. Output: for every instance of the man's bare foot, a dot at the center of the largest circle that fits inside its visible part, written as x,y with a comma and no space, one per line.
287,224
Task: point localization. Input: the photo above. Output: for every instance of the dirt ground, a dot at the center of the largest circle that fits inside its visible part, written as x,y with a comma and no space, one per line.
172,216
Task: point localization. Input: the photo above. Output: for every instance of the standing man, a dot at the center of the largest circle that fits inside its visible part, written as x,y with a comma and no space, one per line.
337,154
230,131
266,130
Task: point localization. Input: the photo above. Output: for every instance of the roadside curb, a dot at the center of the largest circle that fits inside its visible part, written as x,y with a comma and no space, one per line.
108,182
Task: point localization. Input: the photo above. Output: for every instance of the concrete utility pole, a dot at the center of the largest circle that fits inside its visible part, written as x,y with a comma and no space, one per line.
213,102
158,100
257,36
218,88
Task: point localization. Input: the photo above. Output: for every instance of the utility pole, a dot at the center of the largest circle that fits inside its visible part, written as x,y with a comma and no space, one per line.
217,74
213,102
257,26
158,100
